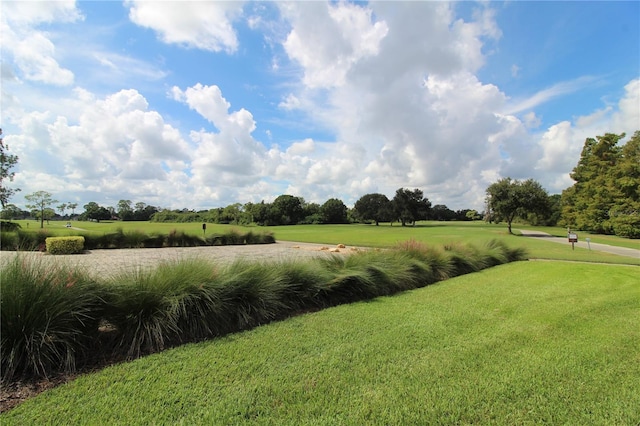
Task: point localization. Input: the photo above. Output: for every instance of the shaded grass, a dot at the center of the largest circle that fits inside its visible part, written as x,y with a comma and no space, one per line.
516,344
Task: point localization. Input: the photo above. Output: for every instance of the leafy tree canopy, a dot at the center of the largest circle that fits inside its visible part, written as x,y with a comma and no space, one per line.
7,162
508,199
605,197
39,201
375,207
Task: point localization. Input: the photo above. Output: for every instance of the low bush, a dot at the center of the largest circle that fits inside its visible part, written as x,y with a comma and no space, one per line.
65,245
192,299
24,240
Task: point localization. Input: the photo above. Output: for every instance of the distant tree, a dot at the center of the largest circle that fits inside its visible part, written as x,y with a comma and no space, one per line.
333,211
61,208
7,161
286,210
39,201
124,210
94,211
11,211
509,199
472,215
442,213
410,206
311,213
72,207
231,214
375,207
259,212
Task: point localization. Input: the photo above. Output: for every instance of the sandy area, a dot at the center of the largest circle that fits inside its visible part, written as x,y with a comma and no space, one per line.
105,262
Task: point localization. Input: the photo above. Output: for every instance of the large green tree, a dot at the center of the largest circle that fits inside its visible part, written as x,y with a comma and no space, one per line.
7,162
410,206
375,207
508,199
286,210
39,201
94,211
334,211
605,197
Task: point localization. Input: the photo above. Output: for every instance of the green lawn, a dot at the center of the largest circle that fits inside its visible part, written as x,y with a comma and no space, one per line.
524,343
384,235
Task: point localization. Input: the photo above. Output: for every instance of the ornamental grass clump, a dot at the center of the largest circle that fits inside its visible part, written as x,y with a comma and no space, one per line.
54,317
148,309
49,318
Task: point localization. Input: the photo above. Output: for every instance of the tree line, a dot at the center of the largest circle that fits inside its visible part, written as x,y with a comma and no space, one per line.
605,198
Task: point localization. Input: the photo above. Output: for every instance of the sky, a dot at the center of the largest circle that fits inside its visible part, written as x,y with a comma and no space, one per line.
197,104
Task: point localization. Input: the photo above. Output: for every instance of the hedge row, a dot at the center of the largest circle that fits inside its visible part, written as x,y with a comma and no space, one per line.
21,240
58,319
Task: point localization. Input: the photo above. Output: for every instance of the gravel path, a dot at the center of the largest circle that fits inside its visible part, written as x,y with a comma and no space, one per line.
106,262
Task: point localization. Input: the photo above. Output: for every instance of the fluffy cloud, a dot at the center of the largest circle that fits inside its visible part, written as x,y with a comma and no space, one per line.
341,35
405,104
393,86
32,50
202,25
116,140
231,157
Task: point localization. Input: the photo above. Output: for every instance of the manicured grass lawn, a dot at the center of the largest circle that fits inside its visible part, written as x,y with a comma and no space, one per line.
524,343
437,233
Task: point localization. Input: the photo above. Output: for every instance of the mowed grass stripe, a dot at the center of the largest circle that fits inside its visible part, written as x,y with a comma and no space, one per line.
521,343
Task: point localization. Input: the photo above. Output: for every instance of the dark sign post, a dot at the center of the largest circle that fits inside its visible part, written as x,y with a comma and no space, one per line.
204,229
573,238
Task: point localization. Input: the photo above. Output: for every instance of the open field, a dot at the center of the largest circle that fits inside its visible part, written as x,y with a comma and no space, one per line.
524,343
382,236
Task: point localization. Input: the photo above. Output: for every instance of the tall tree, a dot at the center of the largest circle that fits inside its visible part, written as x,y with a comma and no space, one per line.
39,201
605,198
61,208
286,210
125,212
333,211
376,207
508,199
96,212
72,207
410,206
7,161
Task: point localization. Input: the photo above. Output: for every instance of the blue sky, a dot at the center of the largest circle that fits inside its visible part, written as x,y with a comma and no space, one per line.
205,104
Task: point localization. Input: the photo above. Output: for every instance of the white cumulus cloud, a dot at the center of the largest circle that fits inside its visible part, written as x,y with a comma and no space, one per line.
201,25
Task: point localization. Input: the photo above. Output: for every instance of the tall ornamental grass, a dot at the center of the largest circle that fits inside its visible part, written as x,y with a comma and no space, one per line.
51,318
28,241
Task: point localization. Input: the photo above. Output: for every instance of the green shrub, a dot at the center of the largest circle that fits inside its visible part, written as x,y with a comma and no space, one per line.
65,245
153,241
49,318
9,226
133,239
24,240
181,239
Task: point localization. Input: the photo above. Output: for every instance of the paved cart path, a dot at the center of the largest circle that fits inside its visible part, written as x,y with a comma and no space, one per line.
621,251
